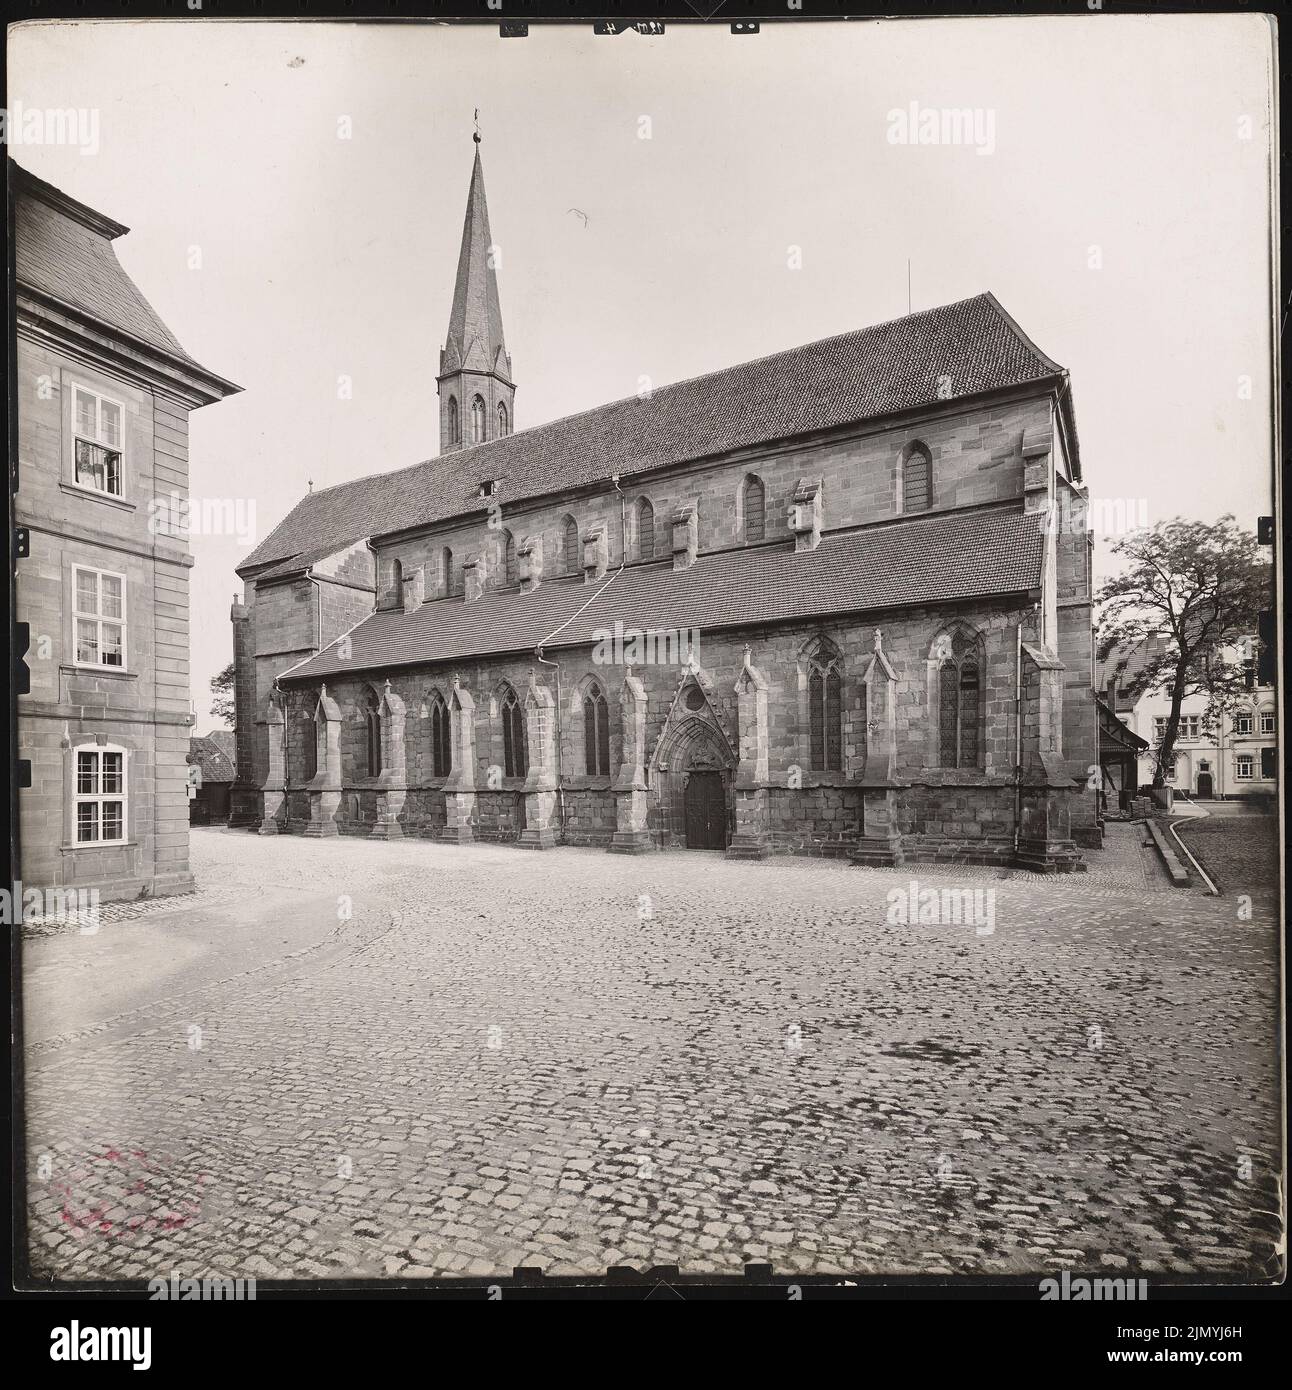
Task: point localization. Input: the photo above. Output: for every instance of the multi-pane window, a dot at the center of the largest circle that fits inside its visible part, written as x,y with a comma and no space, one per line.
959,702
570,545
372,723
825,711
596,733
1243,767
99,615
755,509
477,420
1159,727
441,745
515,761
917,479
1242,723
100,799
645,530
98,426
1190,725
1268,721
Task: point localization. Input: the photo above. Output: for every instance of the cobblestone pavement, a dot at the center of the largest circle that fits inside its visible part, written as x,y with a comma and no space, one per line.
1241,852
576,1060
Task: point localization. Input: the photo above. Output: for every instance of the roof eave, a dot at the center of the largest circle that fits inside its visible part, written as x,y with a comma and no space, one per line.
199,380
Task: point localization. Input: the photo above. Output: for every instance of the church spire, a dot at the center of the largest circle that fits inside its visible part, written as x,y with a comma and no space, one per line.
475,386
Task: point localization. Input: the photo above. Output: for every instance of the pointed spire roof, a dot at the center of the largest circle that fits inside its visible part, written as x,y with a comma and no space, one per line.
474,341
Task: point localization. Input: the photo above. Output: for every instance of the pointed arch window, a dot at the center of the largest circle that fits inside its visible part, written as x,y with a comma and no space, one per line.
596,732
515,761
309,745
509,575
917,478
372,729
477,420
570,545
825,708
755,508
645,530
447,576
959,699
455,422
504,420
441,741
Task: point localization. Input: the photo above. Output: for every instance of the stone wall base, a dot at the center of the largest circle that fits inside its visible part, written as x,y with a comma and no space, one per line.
879,853
748,845
631,842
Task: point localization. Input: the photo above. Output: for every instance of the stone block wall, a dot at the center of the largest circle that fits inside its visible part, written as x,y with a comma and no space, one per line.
976,453
143,707
965,812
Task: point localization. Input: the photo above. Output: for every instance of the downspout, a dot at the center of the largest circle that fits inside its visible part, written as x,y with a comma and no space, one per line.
543,661
1018,731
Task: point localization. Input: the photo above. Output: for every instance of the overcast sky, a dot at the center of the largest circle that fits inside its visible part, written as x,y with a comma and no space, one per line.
323,257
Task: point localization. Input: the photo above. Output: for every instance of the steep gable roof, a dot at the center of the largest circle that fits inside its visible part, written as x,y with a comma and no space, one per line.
930,559
954,351
63,250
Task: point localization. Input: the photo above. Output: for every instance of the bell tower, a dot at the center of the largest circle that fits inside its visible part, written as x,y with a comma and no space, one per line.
477,395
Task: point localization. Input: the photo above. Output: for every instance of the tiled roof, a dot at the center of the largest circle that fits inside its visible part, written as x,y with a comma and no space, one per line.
215,763
931,559
72,259
957,350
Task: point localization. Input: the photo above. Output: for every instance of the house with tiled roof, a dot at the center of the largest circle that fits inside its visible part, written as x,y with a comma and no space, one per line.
104,393
835,600
210,777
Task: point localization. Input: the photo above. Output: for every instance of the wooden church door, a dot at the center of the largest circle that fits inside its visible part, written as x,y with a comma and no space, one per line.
706,811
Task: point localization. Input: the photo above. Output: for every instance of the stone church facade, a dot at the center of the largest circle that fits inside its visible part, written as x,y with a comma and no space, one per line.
833,601
103,395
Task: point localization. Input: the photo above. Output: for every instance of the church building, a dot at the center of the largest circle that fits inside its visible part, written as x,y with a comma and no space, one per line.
832,601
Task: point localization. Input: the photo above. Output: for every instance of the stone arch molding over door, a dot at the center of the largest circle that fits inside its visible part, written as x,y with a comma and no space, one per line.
694,779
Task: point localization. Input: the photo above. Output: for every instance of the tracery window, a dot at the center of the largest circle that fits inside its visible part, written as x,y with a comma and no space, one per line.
596,732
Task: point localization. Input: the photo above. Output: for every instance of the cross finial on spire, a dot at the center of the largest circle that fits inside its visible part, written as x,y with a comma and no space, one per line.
476,135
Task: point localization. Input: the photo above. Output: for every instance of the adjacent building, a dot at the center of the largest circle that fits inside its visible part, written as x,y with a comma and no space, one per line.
832,601
104,392
1234,755
211,775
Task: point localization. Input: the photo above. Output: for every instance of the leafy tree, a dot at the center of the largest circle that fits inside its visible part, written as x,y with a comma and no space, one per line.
1199,588
223,704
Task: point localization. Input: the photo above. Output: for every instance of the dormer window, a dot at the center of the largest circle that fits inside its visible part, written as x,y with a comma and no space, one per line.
487,488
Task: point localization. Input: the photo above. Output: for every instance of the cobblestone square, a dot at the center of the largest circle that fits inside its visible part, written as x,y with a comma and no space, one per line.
360,1059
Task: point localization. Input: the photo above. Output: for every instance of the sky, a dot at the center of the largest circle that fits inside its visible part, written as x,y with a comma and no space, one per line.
296,193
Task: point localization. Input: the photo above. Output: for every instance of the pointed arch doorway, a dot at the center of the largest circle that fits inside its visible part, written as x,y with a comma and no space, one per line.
695,803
